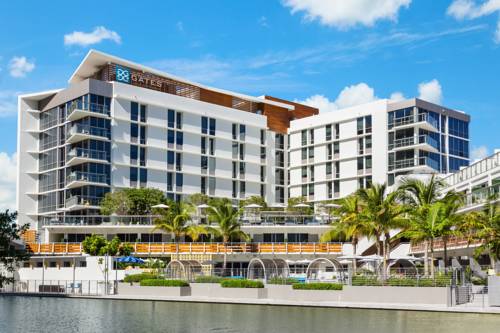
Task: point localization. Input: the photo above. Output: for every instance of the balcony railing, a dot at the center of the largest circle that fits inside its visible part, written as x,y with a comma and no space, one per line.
200,248
481,196
91,107
413,162
88,177
88,153
411,119
82,201
410,141
89,130
479,168
452,243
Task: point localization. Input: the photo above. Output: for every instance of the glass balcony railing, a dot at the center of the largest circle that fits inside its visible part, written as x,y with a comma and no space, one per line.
87,153
412,119
90,107
88,130
481,196
410,141
80,176
77,200
413,162
483,166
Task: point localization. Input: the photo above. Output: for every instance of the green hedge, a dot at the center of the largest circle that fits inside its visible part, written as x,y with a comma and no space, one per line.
208,279
164,283
277,280
438,281
365,281
139,277
317,286
237,283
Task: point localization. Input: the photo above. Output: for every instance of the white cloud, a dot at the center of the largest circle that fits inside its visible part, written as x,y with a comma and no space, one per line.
345,14
349,96
497,33
8,165
89,38
478,153
20,66
397,97
470,9
354,95
431,91
8,103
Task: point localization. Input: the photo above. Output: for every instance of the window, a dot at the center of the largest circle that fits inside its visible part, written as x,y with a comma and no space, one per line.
134,132
178,120
144,175
171,118
263,191
304,137
203,185
134,111
329,168
368,162
304,172
133,174
178,161
211,185
179,179
204,164
361,146
170,177
311,136
359,125
170,158
368,142
142,156
311,152
328,130
336,186
329,189
336,148
235,149
212,126
235,189
262,153
458,147
368,124
329,152
360,163
304,190
211,165
242,151
170,137
337,169
243,130
337,131
242,189
179,139
204,125
212,146
262,174
234,130
304,153
235,169
242,169
143,113
311,173
262,137
143,135
133,154
203,145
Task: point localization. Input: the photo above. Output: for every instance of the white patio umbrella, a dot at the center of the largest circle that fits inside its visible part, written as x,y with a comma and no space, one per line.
301,205
351,257
409,258
160,206
253,206
203,206
331,205
373,257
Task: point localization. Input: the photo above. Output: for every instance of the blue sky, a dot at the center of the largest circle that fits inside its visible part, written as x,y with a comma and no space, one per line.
329,53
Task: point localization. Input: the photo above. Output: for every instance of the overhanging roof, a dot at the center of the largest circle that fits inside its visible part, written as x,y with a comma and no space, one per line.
94,60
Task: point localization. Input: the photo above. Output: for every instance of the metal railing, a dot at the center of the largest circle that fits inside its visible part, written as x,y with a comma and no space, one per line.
452,243
412,162
475,169
87,177
199,248
87,153
63,287
481,196
99,219
89,130
411,119
410,141
82,201
92,107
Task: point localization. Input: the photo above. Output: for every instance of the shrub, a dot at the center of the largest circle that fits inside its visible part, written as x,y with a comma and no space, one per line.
139,277
317,286
436,282
401,282
365,281
477,281
277,280
164,283
241,283
208,279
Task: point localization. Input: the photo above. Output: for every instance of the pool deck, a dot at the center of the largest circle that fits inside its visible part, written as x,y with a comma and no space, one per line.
467,308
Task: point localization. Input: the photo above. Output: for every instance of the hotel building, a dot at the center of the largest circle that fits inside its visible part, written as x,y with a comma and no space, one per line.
123,125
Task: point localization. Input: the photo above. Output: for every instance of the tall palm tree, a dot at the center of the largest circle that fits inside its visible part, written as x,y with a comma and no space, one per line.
225,216
450,220
382,213
424,226
176,221
350,225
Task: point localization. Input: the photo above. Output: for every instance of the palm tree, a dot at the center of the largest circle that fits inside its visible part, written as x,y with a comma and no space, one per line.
382,214
176,221
225,216
424,226
450,220
484,226
350,225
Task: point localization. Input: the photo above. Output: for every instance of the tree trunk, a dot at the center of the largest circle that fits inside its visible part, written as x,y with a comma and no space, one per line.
384,261
492,262
354,250
426,259
432,259
445,253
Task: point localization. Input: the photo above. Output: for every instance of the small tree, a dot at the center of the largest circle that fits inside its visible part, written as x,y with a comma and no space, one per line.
10,256
292,202
255,199
116,202
125,249
197,199
142,199
94,245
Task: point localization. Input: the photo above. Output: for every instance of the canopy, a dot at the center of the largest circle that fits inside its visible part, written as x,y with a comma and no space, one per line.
278,205
351,257
160,206
332,205
253,206
301,205
202,206
130,260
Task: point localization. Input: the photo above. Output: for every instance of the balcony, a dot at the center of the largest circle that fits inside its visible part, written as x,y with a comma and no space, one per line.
423,163
424,142
420,121
78,110
82,155
81,202
80,132
477,198
79,178
89,220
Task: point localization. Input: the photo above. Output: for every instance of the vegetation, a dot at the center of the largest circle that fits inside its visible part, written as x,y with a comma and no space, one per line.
97,245
139,277
241,283
208,279
278,280
225,216
292,202
317,286
131,201
256,200
163,283
10,255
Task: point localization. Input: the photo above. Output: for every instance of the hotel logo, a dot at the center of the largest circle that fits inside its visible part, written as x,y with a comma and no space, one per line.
122,74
